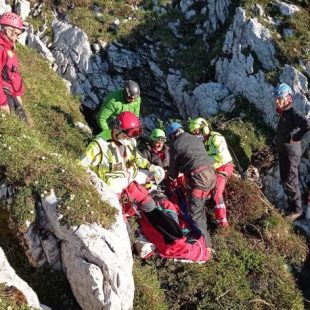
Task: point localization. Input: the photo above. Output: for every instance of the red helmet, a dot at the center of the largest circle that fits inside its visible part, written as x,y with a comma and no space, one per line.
12,20
128,123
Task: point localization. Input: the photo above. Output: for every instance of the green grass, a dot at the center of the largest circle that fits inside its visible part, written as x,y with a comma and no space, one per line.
297,47
244,130
10,300
148,294
44,155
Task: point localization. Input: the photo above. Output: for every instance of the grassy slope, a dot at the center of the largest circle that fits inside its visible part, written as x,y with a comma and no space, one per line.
44,155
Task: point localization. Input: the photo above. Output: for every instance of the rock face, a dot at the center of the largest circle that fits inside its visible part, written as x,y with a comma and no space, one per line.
10,278
97,261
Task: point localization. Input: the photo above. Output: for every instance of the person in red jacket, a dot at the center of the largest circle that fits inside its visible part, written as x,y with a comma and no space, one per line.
11,82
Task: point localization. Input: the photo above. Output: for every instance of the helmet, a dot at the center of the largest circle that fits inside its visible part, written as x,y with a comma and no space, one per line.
282,90
172,128
199,123
158,134
12,20
196,123
131,90
128,123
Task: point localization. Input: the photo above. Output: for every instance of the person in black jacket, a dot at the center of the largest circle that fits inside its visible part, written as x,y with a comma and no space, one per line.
189,156
155,150
292,126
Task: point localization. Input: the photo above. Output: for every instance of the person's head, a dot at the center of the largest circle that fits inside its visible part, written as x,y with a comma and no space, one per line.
173,130
11,25
157,139
283,96
198,126
131,91
126,126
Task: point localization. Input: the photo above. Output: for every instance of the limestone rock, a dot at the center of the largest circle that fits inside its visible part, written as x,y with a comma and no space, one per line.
97,261
10,278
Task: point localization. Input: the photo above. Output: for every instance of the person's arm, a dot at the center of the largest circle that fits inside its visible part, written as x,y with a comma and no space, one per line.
3,100
92,156
140,160
220,146
301,122
137,107
173,170
106,111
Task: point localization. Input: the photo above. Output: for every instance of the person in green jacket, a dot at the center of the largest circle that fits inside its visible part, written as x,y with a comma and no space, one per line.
217,149
126,99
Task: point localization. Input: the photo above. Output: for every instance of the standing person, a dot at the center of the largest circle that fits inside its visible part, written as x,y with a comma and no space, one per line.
117,160
292,126
155,150
125,99
188,156
12,87
217,149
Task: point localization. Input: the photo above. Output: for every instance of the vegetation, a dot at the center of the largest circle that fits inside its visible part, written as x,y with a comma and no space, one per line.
148,294
43,156
296,47
246,133
12,299
251,264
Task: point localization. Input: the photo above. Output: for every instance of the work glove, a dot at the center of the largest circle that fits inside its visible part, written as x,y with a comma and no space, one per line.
158,172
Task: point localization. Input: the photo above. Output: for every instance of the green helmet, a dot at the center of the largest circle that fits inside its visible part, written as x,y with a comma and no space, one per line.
197,123
157,134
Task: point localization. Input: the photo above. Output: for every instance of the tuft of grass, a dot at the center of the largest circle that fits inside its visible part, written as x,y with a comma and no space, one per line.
292,49
148,294
12,299
279,234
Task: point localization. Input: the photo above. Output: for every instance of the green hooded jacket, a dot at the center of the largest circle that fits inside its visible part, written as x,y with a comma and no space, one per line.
114,104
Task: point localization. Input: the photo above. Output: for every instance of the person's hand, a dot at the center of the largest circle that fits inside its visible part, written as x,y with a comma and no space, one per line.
159,173
5,108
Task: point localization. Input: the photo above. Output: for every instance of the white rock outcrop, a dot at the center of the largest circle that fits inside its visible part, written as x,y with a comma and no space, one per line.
9,277
97,261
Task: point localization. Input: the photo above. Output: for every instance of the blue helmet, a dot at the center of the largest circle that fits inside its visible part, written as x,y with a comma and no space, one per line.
282,90
172,128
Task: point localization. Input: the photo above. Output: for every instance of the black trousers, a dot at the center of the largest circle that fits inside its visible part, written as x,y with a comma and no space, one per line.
200,184
16,107
289,165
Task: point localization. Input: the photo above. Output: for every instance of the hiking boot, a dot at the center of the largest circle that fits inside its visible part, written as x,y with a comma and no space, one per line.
293,216
144,248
